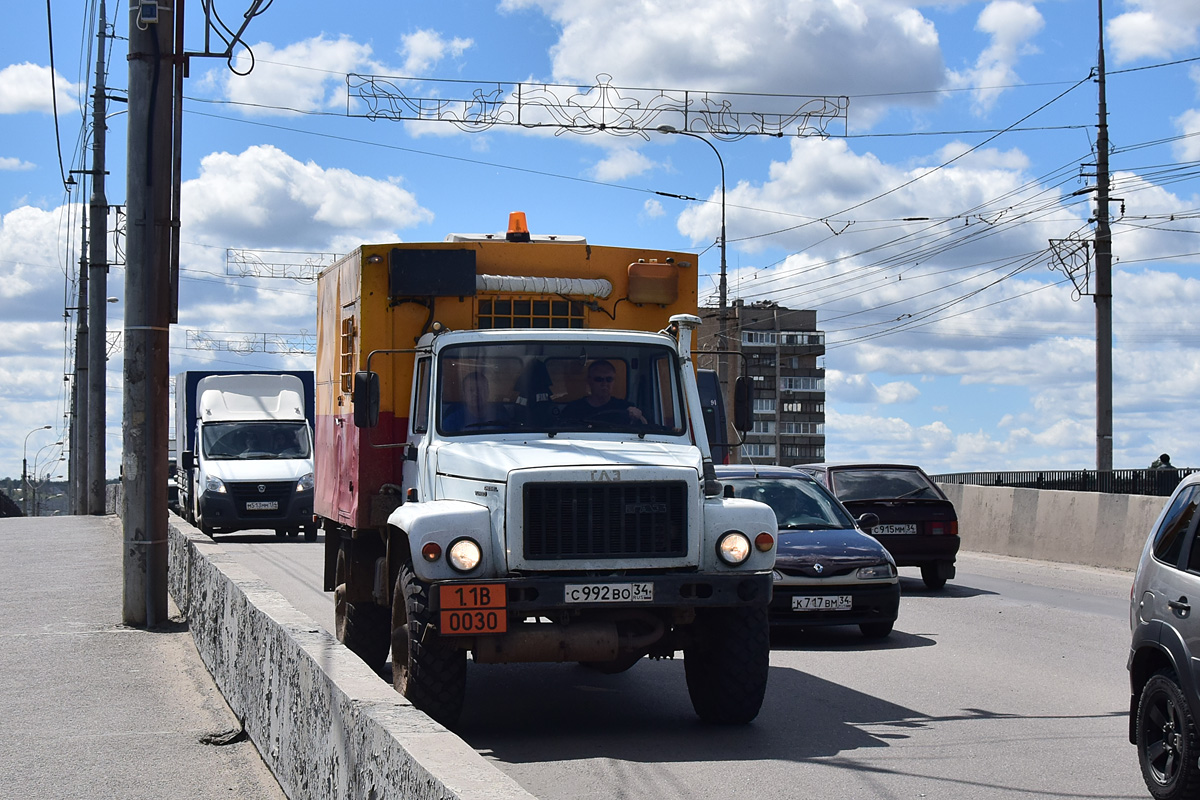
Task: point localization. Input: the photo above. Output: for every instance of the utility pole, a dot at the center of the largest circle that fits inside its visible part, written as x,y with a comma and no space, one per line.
97,347
152,65
1103,296
77,440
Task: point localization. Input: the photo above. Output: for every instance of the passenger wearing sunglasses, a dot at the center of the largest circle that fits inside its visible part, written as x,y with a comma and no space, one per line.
599,405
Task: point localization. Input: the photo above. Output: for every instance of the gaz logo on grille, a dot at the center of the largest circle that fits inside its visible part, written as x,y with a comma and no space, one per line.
645,508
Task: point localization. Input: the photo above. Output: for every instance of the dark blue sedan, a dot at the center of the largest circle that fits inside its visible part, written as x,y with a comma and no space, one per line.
827,571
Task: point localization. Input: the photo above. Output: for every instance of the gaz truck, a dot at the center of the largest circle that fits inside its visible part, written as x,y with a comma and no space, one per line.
512,463
245,451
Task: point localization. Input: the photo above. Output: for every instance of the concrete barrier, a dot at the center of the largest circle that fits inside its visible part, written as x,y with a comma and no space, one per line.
325,724
1085,528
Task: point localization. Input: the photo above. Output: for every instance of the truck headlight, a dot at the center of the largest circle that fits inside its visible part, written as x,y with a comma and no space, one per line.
213,484
464,555
305,483
734,548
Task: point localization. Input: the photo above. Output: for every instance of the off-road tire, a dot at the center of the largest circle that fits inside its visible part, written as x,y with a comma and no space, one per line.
876,630
726,664
362,627
1166,739
933,580
425,669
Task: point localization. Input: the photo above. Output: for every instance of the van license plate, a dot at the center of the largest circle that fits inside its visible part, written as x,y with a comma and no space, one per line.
642,592
262,505
467,609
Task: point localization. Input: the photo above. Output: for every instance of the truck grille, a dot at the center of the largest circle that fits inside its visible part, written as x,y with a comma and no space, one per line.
280,491
615,520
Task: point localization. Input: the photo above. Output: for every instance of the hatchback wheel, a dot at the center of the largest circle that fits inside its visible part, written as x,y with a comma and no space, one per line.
1166,739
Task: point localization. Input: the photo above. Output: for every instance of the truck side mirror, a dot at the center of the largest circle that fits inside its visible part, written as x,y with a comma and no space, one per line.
366,399
187,461
743,404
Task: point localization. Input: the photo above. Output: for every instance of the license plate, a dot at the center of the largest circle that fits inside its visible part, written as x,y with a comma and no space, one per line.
609,592
894,529
467,609
841,602
262,505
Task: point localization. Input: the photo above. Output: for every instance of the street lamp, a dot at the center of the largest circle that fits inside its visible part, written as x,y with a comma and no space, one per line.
722,302
25,467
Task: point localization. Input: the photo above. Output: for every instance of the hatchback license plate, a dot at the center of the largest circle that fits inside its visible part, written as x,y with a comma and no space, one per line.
894,529
841,602
262,505
642,592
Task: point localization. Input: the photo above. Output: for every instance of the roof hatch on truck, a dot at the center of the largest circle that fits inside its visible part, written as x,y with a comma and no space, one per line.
518,231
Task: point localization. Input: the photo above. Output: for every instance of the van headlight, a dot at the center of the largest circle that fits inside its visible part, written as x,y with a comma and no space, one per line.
734,548
214,484
305,483
464,555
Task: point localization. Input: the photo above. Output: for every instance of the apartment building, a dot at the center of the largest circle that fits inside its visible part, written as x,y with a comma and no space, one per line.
780,351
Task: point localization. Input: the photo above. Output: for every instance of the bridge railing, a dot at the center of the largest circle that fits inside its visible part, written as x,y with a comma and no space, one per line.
1154,482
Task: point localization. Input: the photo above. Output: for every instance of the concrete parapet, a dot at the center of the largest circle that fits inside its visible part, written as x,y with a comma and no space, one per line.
1085,528
325,724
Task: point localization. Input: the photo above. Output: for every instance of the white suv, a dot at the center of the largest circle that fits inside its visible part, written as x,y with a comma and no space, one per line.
1164,698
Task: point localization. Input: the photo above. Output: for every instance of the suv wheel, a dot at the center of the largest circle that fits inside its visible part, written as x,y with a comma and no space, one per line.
1166,739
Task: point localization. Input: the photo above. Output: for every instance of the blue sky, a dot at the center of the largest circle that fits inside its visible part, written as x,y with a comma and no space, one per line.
951,342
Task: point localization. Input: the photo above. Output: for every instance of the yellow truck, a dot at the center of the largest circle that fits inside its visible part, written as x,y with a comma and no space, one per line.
511,462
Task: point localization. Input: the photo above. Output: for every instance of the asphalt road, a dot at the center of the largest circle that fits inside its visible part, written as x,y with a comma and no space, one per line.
1010,683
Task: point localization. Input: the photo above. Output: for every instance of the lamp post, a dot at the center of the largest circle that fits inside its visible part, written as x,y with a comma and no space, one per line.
25,467
722,286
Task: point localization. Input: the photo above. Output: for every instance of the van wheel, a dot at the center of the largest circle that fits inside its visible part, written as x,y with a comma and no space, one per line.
726,664
310,533
425,669
362,627
1166,739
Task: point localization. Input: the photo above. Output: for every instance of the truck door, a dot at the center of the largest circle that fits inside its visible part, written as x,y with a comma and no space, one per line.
418,428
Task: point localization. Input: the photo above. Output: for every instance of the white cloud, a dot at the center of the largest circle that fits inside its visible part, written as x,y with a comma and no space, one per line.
15,165
621,164
306,76
1154,29
1010,24
425,48
31,270
263,197
782,46
24,87
653,209
1188,124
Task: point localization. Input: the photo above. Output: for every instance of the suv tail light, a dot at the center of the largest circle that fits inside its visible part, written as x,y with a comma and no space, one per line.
949,528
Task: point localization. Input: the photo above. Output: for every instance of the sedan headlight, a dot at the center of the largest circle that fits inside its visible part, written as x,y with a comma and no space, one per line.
464,555
734,548
876,573
214,484
305,483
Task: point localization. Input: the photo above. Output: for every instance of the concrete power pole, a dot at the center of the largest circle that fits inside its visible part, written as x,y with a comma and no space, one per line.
152,65
77,436
1103,296
97,347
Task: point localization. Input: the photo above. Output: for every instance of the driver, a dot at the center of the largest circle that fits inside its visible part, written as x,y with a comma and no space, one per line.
601,375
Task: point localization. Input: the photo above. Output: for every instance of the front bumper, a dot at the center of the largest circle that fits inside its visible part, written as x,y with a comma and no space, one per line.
869,604
226,513
537,596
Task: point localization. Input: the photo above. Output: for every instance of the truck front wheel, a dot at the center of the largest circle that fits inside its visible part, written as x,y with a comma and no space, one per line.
430,673
726,664
362,627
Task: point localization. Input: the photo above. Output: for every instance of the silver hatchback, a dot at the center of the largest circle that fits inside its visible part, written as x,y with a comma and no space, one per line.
1163,680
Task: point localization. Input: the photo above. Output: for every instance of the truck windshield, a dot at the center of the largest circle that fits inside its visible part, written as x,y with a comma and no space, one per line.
553,387
255,440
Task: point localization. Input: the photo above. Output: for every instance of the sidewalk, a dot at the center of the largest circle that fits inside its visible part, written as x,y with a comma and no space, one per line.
93,709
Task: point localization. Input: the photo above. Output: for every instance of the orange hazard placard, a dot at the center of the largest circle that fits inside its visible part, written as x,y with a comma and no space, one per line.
472,608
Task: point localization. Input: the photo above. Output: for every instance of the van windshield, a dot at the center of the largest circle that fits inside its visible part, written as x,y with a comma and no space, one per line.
552,387
255,440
